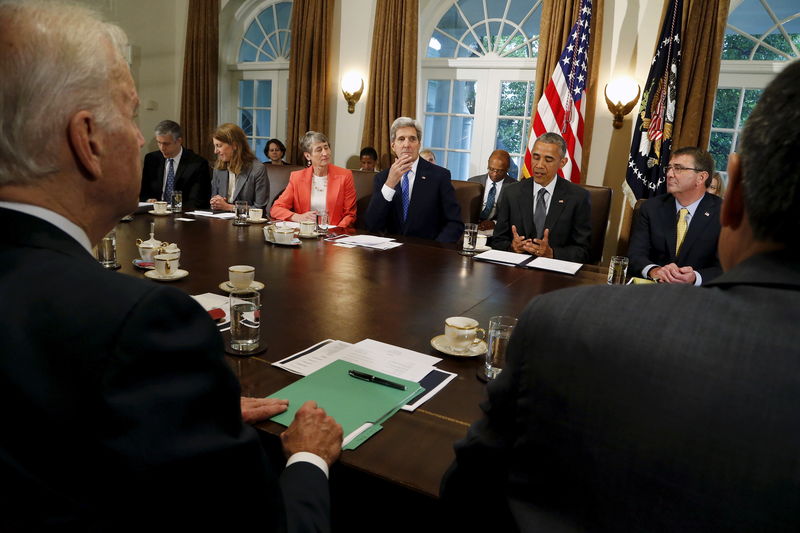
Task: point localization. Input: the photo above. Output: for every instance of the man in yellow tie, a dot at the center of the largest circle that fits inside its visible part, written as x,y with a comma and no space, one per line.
674,239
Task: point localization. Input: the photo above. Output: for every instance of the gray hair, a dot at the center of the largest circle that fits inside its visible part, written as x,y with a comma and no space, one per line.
768,151
311,138
54,64
554,138
169,127
405,122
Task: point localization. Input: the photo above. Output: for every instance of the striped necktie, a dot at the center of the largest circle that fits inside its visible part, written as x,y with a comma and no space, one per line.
489,203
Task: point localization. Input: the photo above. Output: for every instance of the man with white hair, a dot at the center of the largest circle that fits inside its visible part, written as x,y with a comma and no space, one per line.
413,197
121,412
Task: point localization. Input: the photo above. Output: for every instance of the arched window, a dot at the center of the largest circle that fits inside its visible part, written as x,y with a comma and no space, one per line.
761,37
255,78
477,78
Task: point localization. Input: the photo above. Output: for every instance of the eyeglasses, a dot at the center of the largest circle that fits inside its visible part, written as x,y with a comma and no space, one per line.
497,170
679,168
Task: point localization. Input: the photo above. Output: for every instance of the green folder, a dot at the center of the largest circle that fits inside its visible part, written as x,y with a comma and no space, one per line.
352,402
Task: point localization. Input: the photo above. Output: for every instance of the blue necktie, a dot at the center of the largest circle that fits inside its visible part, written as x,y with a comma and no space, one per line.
170,181
540,214
406,196
487,210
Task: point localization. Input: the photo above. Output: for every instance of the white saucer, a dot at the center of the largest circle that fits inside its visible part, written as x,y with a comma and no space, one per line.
227,287
257,220
440,343
160,214
482,248
179,274
295,242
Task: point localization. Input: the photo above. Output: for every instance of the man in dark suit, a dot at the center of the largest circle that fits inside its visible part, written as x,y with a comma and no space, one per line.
175,168
660,407
493,182
121,413
675,236
553,213
413,197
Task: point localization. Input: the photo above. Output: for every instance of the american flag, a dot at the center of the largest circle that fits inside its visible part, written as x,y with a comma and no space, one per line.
563,103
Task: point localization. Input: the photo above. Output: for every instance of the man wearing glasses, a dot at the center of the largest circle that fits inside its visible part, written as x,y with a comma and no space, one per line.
493,181
675,237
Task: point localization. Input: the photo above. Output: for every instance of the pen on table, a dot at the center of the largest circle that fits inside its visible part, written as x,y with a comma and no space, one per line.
375,379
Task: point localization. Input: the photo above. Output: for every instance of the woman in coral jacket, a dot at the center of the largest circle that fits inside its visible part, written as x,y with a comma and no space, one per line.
321,187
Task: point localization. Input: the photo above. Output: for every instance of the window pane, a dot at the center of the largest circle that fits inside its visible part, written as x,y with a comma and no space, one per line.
736,47
472,49
441,45
247,52
452,23
245,93
509,135
267,20
246,121
264,94
440,156
263,123
750,17
720,148
438,96
284,10
464,97
529,104
259,149
513,170
458,164
725,108
254,34
512,98
460,133
495,9
473,10
751,97
436,131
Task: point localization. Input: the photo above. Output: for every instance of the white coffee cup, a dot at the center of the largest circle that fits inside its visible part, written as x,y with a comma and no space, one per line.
255,214
308,227
160,207
283,234
480,241
462,332
241,276
167,264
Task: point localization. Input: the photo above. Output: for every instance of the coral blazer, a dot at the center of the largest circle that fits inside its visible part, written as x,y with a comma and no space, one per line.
341,196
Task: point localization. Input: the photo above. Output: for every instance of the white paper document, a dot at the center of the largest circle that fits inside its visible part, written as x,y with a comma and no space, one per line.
370,241
211,214
211,301
555,265
379,356
499,256
142,204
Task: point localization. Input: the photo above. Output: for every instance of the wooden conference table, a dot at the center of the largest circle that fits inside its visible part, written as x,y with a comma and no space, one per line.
401,296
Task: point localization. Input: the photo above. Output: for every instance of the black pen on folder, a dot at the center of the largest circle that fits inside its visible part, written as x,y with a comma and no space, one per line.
375,379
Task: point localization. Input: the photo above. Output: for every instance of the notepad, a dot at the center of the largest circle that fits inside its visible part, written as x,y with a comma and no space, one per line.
359,406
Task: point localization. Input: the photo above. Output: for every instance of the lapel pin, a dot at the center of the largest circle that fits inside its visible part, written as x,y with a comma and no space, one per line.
423,177
707,214
561,201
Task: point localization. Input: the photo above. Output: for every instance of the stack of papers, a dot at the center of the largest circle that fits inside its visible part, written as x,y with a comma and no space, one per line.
528,261
211,301
367,241
211,214
378,358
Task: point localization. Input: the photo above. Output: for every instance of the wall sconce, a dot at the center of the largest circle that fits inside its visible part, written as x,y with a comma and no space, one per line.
621,90
352,87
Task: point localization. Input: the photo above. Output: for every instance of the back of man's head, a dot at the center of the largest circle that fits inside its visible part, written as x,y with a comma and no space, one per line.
770,169
53,65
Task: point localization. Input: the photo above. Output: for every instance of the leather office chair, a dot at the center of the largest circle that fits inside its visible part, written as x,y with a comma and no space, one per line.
625,233
363,181
469,196
600,198
278,176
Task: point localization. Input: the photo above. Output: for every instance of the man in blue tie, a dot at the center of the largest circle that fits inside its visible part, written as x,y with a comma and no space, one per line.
413,197
175,168
493,181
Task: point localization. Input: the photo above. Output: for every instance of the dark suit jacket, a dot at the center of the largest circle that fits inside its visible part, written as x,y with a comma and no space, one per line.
646,408
483,179
192,178
568,219
120,411
433,212
654,236
251,185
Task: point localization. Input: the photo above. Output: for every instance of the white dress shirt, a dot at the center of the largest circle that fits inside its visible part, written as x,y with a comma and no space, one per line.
388,192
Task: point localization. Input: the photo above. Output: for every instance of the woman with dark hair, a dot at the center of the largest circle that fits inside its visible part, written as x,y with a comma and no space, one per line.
236,175
322,187
274,152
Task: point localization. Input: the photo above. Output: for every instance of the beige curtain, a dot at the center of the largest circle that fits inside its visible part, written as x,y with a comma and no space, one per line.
308,72
200,67
703,30
558,16
392,90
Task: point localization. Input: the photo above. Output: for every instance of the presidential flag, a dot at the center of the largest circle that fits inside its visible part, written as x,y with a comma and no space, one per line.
563,103
652,136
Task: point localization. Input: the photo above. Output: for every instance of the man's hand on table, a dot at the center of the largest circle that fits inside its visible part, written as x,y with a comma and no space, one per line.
312,430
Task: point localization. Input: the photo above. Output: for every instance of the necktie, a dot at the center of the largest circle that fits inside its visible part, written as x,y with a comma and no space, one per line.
170,181
406,196
487,210
682,227
540,214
